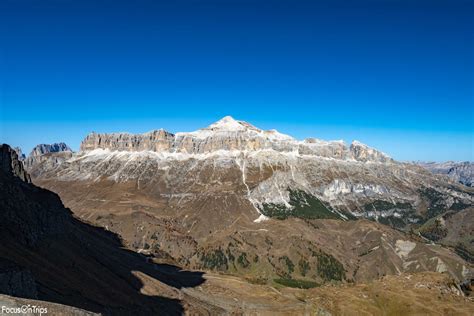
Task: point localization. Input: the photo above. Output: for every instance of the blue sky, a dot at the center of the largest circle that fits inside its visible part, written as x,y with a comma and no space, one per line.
397,75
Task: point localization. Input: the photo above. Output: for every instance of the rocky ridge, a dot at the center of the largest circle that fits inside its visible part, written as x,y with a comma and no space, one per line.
10,163
228,135
43,152
462,172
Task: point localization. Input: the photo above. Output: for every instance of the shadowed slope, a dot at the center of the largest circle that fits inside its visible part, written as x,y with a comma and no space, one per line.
69,262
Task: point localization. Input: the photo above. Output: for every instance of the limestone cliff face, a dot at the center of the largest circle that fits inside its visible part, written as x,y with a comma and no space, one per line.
49,148
158,140
230,135
38,153
362,152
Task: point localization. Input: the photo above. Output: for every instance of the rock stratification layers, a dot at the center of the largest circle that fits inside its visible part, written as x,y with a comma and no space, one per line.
42,152
229,135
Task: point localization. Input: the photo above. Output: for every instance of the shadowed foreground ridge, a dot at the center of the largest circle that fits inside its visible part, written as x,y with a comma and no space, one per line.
47,254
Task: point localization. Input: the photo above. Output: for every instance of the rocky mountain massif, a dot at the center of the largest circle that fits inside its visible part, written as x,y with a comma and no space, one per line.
47,254
260,204
462,172
44,152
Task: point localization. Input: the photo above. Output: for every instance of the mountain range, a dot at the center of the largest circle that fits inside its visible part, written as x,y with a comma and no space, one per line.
235,201
462,172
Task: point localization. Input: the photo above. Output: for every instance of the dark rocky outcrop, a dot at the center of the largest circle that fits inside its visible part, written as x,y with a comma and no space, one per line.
16,281
10,164
46,253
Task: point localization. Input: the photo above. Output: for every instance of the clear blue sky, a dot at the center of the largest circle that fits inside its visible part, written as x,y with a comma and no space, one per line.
397,75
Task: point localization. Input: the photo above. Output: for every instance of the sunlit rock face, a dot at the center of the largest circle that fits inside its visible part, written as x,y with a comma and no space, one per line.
228,134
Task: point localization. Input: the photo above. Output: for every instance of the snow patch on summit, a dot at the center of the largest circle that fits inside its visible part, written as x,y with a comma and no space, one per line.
228,126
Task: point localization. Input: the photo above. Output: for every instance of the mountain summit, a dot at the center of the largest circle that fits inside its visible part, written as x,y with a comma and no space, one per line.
228,123
228,127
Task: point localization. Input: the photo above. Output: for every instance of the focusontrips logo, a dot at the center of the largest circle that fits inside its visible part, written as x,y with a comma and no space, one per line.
25,309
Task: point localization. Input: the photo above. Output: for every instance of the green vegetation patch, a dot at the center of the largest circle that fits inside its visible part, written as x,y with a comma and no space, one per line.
433,230
301,284
464,252
242,260
304,267
436,201
406,211
392,221
303,205
458,206
380,205
216,259
328,267
289,264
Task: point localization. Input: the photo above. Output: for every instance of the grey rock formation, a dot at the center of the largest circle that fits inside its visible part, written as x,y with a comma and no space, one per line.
41,152
362,152
21,155
462,172
42,149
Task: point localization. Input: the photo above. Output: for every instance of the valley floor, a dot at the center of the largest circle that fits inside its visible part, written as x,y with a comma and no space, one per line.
410,294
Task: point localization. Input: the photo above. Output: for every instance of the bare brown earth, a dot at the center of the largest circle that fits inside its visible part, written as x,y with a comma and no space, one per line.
453,229
199,233
407,294
425,293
